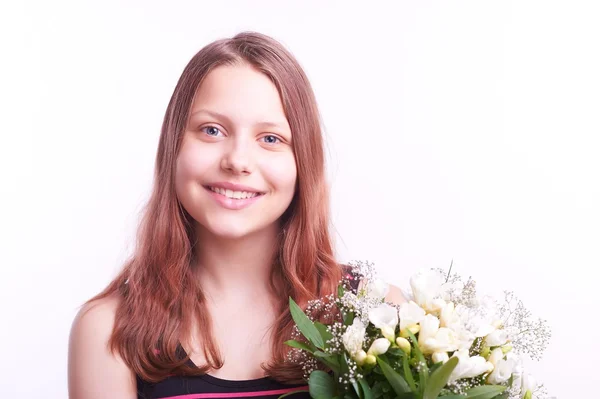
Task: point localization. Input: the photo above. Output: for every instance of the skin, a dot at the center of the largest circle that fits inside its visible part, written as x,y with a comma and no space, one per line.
237,132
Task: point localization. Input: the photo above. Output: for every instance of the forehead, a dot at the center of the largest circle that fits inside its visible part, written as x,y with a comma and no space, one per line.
242,93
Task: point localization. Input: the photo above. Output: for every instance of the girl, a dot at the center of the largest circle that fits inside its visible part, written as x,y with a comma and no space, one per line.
237,222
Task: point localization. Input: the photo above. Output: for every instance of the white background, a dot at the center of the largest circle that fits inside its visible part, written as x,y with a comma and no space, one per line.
456,130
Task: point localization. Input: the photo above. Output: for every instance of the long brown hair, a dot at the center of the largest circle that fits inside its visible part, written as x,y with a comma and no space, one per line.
159,296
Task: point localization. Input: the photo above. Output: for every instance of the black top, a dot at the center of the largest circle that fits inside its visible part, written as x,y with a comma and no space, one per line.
209,387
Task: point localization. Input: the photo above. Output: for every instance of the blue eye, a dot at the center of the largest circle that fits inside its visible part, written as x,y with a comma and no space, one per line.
270,139
211,130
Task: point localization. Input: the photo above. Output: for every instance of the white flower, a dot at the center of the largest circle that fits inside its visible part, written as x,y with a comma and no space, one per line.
434,339
469,366
377,289
495,356
464,337
385,317
440,357
354,337
429,328
527,384
496,338
503,368
448,316
427,290
379,347
410,314
476,320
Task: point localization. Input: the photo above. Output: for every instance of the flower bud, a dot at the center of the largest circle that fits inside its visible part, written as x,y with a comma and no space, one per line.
360,357
403,344
379,347
388,332
485,352
370,360
507,348
415,328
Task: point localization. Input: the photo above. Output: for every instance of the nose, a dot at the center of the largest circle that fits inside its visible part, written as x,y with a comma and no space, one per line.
237,157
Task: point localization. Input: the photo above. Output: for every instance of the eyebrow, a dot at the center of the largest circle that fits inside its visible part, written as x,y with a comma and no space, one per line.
217,115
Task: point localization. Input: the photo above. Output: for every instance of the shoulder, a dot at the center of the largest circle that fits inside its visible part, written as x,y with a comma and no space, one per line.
395,295
96,372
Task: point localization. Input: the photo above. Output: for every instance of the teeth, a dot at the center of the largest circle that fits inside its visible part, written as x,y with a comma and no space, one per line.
233,194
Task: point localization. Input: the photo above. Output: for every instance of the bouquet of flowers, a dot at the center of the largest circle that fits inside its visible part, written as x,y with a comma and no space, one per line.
444,342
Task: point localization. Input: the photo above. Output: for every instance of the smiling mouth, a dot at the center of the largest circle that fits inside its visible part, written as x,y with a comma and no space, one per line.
238,195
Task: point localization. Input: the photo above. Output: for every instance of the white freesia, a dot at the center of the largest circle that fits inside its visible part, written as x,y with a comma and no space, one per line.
429,328
434,339
496,338
495,356
464,337
449,317
503,369
385,317
440,357
528,383
445,340
354,337
379,347
377,289
469,366
427,290
410,314
477,321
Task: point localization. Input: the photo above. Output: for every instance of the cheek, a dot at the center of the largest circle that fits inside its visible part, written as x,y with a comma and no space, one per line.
191,165
283,174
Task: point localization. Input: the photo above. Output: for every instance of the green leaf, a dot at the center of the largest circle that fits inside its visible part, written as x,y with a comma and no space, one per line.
398,383
439,378
366,391
326,335
423,370
305,325
329,360
408,374
485,392
395,352
348,318
453,397
357,390
299,345
340,291
320,385
377,390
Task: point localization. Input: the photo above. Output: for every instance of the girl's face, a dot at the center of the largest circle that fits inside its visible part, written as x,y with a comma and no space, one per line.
236,170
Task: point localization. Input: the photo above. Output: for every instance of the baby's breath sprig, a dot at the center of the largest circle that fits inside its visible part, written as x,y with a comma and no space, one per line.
530,336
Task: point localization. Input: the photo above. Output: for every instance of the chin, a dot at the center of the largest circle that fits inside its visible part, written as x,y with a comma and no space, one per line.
231,230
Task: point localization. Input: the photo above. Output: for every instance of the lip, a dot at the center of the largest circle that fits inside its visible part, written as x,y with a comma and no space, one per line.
232,203
234,187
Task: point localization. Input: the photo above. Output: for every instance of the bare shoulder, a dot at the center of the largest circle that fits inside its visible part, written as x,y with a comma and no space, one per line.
395,295
95,372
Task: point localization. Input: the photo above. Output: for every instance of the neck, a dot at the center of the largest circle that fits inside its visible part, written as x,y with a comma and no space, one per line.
236,269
